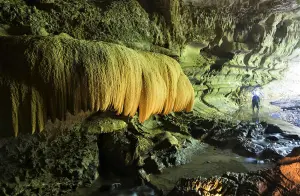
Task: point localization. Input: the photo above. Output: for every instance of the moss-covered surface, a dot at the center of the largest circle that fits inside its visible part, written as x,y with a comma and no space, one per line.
43,165
158,143
122,22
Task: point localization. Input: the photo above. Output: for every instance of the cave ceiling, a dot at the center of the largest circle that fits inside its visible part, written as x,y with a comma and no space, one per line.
224,46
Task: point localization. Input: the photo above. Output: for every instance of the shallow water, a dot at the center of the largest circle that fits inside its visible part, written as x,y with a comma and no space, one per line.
208,162
268,113
290,110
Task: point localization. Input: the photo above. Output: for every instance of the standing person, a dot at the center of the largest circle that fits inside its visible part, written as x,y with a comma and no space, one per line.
255,102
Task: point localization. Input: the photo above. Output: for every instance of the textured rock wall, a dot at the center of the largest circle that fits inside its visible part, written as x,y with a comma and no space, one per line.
224,46
249,47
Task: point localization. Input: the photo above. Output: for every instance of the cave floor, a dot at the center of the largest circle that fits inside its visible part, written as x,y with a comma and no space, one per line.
207,162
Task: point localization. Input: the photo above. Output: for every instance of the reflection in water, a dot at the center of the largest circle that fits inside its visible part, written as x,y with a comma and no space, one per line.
255,116
208,162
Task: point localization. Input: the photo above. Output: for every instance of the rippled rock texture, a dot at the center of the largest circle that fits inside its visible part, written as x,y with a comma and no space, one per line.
282,180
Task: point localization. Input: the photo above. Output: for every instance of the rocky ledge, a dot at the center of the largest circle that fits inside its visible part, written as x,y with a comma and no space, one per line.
257,140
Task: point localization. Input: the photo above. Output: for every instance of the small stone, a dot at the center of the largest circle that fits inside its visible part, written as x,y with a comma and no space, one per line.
260,162
272,129
115,186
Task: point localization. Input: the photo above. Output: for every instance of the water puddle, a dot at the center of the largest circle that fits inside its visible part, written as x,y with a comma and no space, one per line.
208,162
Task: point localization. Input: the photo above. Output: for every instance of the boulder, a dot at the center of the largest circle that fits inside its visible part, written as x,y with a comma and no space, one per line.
272,129
104,125
165,141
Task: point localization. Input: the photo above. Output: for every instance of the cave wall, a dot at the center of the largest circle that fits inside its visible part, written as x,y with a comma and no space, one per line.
224,46
239,59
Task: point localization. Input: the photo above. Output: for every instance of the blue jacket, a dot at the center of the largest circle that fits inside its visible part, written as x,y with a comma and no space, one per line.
256,99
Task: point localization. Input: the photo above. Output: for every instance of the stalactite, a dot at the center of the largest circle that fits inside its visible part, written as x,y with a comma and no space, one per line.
56,75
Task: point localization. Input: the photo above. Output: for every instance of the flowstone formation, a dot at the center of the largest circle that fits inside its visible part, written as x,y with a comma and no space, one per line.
60,74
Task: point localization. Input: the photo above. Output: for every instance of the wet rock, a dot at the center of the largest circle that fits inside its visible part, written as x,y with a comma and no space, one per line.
179,156
110,187
173,156
117,151
143,176
225,137
272,138
200,128
291,136
198,132
248,148
255,132
153,165
37,164
295,152
272,129
290,110
149,146
248,139
270,154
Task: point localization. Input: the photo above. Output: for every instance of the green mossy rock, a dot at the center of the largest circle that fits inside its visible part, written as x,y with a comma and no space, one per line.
105,125
166,141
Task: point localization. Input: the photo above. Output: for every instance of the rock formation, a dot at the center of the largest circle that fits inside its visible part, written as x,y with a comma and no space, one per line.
48,77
